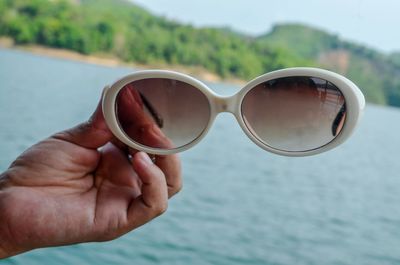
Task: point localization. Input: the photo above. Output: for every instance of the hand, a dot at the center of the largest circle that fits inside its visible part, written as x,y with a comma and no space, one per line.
81,185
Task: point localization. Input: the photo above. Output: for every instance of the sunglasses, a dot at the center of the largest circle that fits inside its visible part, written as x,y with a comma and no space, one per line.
292,112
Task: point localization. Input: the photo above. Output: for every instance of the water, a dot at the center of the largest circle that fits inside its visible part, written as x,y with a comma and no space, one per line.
239,205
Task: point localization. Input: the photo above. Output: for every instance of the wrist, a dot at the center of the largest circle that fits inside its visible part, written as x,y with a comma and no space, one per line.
6,248
4,233
3,254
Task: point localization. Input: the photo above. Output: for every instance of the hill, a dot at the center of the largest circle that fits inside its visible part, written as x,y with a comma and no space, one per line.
376,73
133,34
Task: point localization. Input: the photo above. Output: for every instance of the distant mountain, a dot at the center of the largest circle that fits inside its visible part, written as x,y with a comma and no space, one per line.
131,33
395,58
376,73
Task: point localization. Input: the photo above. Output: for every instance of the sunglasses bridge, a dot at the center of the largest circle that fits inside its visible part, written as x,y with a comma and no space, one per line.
225,103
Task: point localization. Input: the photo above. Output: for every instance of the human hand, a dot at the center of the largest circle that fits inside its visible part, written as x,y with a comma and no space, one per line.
81,185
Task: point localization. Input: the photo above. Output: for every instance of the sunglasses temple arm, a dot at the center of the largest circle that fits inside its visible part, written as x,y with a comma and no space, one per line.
158,119
338,119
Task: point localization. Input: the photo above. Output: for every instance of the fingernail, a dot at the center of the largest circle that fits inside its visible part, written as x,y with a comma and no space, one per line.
145,158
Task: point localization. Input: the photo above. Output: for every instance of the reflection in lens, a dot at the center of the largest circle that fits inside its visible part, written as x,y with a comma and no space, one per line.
294,113
162,113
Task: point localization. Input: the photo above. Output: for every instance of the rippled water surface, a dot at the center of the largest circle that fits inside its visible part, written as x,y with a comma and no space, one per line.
239,205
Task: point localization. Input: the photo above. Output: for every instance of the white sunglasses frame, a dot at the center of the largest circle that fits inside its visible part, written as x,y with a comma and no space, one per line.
354,99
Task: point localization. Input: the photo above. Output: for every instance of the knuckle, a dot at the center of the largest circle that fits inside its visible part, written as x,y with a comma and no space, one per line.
75,131
160,208
174,190
63,135
105,236
178,187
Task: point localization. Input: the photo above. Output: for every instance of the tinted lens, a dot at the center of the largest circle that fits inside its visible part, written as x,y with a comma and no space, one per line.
294,113
162,113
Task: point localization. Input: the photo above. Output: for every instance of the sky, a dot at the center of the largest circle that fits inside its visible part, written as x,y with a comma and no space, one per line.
374,23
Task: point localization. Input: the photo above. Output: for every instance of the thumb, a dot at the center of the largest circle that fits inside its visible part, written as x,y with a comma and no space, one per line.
93,133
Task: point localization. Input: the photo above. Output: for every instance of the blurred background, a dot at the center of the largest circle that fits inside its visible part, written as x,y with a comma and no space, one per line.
239,205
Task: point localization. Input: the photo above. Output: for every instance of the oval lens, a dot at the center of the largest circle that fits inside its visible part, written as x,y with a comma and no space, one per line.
294,113
162,113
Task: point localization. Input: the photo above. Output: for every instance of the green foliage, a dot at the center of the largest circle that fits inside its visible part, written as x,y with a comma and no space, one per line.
395,59
129,32
365,77
376,74
303,41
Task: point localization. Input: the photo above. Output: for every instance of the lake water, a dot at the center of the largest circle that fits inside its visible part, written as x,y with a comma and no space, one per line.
239,205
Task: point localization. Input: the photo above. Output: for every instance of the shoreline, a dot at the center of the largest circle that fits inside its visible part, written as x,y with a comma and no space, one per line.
107,60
